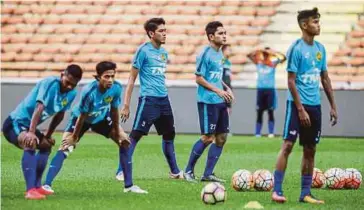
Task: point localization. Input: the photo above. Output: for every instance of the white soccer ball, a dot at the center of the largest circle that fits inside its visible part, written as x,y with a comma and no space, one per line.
242,180
318,178
263,180
213,193
335,178
353,178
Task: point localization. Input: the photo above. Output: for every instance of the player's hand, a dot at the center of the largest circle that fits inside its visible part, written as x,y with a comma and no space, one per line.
225,95
120,137
333,117
231,94
70,140
124,114
31,140
304,118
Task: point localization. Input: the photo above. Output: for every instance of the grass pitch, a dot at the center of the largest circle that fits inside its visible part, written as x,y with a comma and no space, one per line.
87,180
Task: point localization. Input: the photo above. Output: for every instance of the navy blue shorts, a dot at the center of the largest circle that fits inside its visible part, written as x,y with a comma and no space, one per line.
103,127
292,127
155,111
266,99
11,130
214,118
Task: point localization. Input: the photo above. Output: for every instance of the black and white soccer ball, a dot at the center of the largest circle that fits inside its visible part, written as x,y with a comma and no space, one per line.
213,193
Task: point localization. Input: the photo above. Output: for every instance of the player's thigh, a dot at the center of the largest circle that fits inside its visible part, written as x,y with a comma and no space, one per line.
208,117
165,123
271,99
311,135
262,99
222,125
147,112
103,127
291,127
11,131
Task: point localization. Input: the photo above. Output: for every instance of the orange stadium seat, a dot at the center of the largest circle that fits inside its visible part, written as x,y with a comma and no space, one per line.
95,39
189,10
197,31
33,19
21,9
262,22
95,9
51,49
248,11
106,48
356,61
76,39
9,29
357,34
353,43
207,11
4,19
42,57
266,11
270,3
9,73
228,10
56,39
39,9
15,20
194,3
126,49
122,58
38,39
7,8
24,57
97,57
186,76
52,19
70,49
65,58
358,52
251,3
9,56
90,19
82,30
12,47
335,62
151,10
88,49
46,29
202,21
34,48
170,10
20,38
343,52
58,10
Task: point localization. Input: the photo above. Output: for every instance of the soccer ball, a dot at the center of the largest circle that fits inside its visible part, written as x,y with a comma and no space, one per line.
335,178
353,178
242,180
213,193
263,180
318,178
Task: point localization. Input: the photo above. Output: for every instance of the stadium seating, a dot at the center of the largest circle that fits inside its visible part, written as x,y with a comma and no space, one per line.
42,37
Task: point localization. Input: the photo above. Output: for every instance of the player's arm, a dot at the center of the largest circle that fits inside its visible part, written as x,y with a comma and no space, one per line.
326,84
280,56
73,139
125,111
31,138
56,120
228,89
302,114
253,56
224,94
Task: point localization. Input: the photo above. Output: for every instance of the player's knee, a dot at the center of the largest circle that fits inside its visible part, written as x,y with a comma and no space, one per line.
309,151
169,136
208,139
136,135
221,139
287,148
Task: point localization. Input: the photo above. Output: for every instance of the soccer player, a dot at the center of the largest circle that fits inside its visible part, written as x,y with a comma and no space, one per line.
150,62
266,61
306,65
212,102
226,76
51,96
97,109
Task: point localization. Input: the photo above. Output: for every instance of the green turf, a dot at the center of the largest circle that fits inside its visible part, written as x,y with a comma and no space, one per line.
87,180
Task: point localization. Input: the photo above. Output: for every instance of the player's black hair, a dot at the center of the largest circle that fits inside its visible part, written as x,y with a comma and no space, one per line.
303,15
211,27
104,66
267,48
74,70
152,24
223,48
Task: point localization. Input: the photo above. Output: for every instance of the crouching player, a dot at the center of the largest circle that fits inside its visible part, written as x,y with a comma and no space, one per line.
98,110
51,96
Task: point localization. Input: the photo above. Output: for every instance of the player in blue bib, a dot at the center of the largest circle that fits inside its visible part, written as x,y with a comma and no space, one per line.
98,110
150,62
51,97
212,102
266,61
306,65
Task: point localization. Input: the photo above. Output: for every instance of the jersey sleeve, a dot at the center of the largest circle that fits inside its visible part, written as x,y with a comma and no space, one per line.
46,91
85,102
294,58
116,101
201,65
138,60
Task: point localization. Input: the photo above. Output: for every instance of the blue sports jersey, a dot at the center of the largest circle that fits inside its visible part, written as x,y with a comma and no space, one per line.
97,104
210,66
307,61
152,64
266,75
47,92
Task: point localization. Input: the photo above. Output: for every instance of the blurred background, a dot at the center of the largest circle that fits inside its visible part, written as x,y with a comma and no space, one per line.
40,38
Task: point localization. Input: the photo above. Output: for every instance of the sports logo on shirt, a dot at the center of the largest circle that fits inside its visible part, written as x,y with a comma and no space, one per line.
318,56
64,102
108,99
163,57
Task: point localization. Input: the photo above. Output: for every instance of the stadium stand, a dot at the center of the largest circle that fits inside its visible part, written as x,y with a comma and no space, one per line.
41,37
